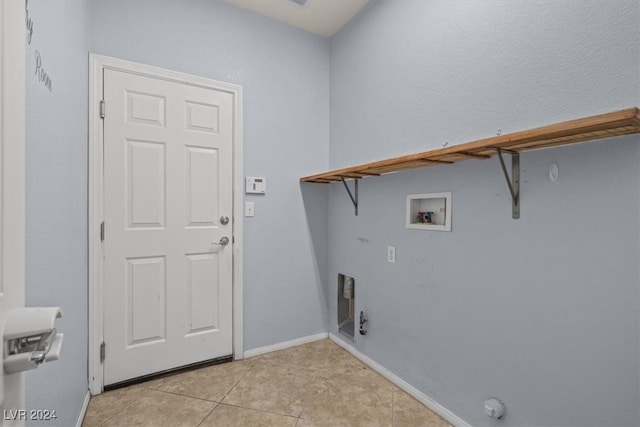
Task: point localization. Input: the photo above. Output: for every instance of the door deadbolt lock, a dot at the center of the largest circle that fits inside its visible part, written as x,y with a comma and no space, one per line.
224,241
224,220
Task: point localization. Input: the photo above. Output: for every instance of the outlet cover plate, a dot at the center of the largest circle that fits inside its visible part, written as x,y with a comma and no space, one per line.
391,254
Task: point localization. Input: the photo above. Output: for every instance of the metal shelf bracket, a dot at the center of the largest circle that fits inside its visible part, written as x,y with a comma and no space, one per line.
513,181
354,200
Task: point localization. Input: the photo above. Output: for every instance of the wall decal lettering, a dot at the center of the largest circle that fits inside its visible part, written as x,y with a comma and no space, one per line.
28,22
41,74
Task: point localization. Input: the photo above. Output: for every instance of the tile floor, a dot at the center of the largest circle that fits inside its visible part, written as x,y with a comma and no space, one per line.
315,384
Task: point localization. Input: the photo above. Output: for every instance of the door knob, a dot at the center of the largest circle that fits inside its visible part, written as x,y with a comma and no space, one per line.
224,220
224,241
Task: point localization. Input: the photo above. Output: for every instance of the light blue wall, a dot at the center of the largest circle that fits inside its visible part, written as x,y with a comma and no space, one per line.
541,312
284,73
56,198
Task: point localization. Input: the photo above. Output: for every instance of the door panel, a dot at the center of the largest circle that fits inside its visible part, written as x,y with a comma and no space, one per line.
146,310
145,109
168,178
146,187
202,199
203,313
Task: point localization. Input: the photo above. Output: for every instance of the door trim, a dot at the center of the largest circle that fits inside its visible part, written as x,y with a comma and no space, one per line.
97,63
12,180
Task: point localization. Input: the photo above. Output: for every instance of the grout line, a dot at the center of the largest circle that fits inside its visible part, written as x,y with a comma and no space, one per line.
207,416
300,416
253,362
202,398
131,402
187,396
242,377
259,410
149,387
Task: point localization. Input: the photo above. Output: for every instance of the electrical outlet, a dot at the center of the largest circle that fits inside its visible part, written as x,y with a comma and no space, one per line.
391,254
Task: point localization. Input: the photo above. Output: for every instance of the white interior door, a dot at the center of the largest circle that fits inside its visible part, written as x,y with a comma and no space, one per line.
12,169
167,188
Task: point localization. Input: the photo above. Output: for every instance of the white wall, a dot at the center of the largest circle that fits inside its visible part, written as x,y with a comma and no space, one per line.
56,198
541,312
285,77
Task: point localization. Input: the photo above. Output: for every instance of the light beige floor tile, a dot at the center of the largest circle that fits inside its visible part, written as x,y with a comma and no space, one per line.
347,413
211,383
275,388
233,416
323,355
352,400
107,404
408,412
319,382
365,377
93,421
156,408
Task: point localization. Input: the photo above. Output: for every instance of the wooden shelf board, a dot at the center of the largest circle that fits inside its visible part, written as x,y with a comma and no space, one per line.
617,123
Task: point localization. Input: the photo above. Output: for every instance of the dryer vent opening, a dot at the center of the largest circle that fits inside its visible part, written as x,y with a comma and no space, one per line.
346,305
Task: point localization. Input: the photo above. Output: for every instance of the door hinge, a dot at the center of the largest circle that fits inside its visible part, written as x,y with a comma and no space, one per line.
102,107
102,351
102,231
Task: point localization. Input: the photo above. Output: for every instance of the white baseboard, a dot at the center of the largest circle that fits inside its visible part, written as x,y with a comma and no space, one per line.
83,411
417,394
281,346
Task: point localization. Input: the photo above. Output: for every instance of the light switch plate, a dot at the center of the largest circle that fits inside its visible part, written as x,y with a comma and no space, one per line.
255,185
249,209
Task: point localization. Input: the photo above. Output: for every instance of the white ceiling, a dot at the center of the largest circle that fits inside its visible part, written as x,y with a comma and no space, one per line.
321,17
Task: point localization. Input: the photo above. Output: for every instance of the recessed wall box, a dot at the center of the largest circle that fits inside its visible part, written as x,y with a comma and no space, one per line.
255,185
346,306
429,211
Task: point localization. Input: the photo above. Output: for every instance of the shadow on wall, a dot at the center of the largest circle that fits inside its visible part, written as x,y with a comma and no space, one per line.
316,205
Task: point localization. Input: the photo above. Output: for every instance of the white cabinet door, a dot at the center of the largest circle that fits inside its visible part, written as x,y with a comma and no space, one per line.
167,184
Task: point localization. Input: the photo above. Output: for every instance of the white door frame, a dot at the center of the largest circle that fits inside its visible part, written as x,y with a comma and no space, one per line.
97,63
12,180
